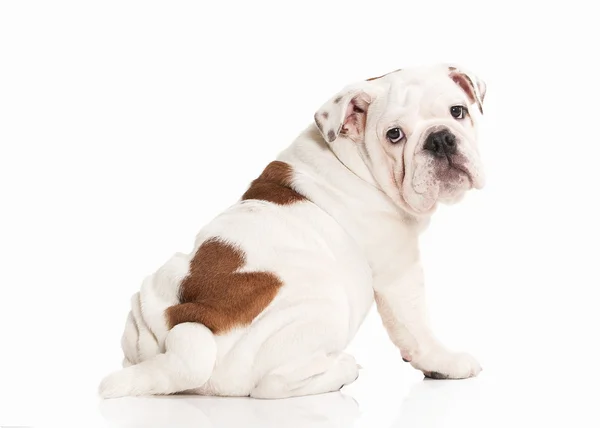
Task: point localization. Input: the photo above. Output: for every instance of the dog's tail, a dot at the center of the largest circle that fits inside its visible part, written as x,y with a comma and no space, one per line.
159,360
187,363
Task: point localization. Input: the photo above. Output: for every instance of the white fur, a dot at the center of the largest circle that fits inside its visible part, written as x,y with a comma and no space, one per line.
356,237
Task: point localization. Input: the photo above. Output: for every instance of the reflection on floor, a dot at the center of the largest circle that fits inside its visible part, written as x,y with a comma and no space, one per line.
326,410
427,404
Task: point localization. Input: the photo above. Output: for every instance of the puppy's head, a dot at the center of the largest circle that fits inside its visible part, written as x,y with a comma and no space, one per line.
415,131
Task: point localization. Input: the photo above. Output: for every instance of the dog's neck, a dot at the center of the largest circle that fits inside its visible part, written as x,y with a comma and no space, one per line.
341,184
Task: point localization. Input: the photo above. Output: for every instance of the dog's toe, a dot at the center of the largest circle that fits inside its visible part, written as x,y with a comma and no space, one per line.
115,385
435,375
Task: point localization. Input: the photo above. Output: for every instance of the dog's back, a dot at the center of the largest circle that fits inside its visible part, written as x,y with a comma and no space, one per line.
246,270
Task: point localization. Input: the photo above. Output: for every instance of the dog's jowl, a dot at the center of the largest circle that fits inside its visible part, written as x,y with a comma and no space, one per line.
278,284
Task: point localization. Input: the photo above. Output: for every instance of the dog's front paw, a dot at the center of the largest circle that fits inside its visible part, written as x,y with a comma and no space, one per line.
443,364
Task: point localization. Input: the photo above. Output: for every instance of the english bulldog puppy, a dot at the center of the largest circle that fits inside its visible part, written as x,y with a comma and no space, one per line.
278,285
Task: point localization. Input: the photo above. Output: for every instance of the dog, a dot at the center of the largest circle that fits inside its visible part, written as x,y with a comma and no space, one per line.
279,283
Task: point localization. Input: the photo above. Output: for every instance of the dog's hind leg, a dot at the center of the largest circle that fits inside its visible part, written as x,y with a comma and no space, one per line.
146,343
129,342
187,363
319,374
146,327
139,342
306,358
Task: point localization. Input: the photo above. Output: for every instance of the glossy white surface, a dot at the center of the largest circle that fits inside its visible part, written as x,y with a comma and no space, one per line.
378,399
471,403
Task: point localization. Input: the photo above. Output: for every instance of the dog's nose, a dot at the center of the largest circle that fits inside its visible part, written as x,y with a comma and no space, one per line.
441,143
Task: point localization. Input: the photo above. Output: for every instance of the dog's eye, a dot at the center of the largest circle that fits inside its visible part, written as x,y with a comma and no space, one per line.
395,135
457,112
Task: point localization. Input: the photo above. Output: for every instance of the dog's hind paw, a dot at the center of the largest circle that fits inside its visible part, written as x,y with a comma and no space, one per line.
117,384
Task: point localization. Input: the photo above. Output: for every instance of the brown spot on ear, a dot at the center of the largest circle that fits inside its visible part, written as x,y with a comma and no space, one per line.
274,185
216,294
319,124
338,99
325,115
331,135
383,75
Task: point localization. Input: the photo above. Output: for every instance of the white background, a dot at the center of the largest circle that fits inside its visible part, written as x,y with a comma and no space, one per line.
126,126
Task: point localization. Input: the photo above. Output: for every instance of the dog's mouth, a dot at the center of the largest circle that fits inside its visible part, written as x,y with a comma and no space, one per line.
448,172
439,179
454,171
458,170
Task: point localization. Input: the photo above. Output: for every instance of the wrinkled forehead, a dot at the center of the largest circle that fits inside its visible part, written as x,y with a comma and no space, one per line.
416,91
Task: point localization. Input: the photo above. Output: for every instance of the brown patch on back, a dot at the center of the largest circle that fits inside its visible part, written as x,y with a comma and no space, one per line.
274,185
215,294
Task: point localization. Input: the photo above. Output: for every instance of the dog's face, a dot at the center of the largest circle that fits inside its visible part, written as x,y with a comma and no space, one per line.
415,131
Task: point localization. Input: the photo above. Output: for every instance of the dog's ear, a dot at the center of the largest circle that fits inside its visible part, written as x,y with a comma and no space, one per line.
474,87
345,113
